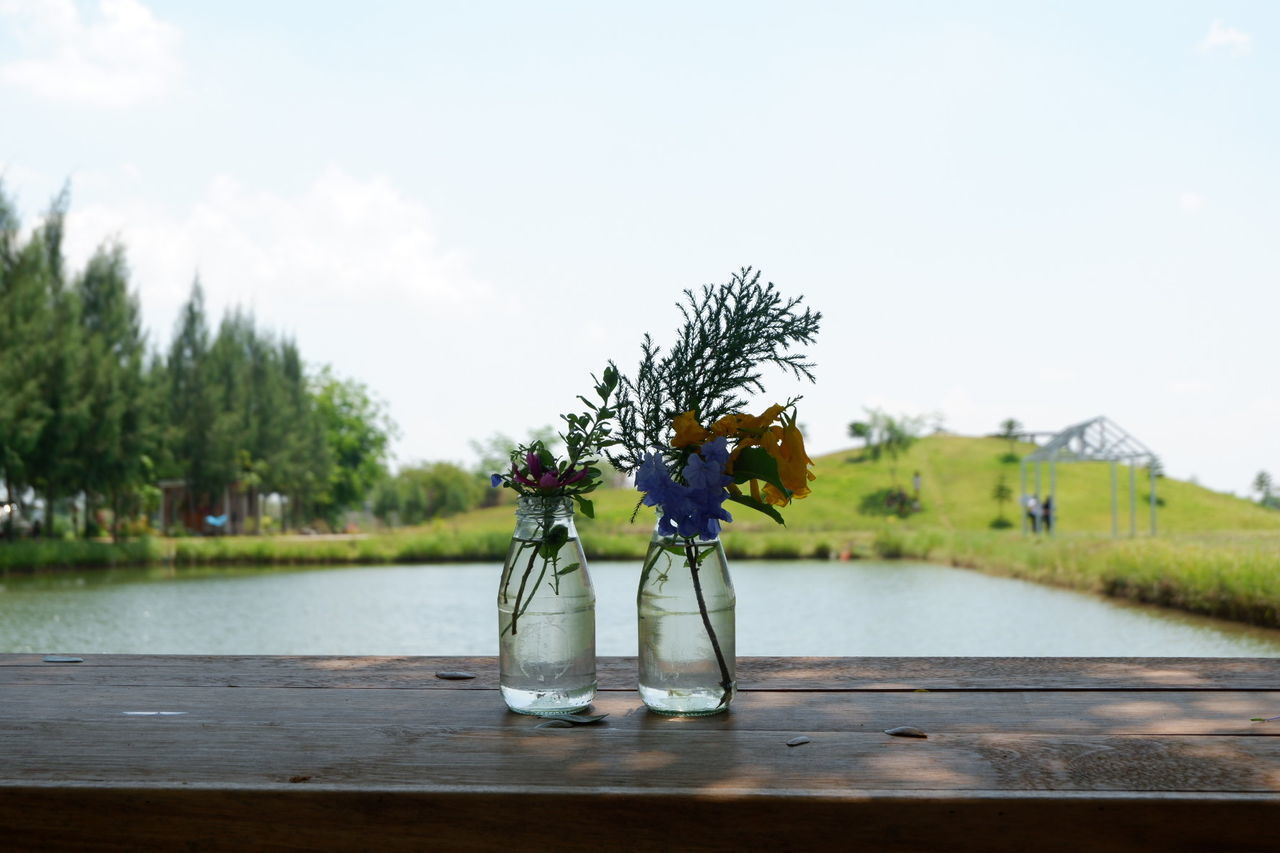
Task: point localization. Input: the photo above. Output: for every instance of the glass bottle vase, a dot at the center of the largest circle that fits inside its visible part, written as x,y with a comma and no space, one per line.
686,625
546,613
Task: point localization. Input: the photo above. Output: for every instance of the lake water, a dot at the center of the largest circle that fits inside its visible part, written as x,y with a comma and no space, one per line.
784,608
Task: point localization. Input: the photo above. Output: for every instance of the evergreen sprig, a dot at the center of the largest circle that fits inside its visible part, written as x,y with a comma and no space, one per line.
730,332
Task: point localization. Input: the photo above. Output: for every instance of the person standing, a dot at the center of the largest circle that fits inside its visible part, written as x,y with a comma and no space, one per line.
1032,504
1046,514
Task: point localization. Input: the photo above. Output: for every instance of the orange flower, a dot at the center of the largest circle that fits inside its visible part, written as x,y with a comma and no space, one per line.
793,465
745,427
688,430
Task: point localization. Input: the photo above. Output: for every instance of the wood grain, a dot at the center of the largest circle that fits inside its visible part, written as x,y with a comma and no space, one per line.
376,753
754,673
1083,712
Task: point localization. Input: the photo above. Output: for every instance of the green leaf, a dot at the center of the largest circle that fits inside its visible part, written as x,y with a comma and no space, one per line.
755,463
759,506
569,569
551,543
587,507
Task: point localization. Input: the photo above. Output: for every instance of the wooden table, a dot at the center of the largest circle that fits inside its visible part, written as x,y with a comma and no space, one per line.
237,753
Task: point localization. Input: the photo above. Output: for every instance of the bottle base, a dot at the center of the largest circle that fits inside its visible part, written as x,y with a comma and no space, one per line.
684,703
542,703
666,712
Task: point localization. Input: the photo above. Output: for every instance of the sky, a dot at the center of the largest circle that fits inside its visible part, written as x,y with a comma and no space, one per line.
1044,211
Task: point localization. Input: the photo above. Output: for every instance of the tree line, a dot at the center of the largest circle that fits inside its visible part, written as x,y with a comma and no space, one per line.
90,411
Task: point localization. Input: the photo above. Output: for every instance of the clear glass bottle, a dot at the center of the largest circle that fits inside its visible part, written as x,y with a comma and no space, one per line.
686,625
546,613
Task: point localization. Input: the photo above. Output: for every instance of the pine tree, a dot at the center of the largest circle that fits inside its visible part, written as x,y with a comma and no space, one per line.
111,380
191,406
23,321
55,464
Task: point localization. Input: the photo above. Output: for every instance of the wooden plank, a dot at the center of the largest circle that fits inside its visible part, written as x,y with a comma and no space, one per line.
360,753
302,818
754,673
428,754
1067,712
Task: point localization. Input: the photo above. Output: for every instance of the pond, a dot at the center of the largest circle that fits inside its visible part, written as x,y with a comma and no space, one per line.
784,608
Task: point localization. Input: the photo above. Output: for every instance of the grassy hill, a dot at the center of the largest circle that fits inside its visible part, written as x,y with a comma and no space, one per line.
958,475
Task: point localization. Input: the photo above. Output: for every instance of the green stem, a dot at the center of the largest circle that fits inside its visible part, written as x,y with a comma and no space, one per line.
726,683
524,579
532,593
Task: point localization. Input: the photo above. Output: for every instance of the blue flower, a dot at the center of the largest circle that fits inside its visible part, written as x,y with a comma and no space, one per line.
695,509
495,480
706,470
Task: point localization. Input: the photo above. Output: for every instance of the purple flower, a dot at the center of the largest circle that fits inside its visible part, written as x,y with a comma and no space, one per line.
535,476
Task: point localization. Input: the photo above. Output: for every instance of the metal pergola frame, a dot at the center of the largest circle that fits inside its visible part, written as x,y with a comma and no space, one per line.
1095,440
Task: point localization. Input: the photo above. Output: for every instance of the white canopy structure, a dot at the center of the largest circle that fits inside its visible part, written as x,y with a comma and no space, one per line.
1096,440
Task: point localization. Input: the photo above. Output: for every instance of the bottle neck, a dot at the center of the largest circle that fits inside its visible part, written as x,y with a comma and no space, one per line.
537,516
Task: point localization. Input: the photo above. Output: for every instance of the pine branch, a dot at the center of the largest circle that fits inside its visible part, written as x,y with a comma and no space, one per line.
729,333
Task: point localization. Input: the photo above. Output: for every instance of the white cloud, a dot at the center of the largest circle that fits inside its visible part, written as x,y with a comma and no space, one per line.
120,56
1222,37
349,267
1190,202
342,241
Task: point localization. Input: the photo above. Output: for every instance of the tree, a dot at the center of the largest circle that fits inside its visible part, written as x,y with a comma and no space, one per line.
24,319
1155,467
892,436
56,463
423,492
111,381
1262,484
862,430
357,433
303,463
1010,428
192,407
1002,495
494,453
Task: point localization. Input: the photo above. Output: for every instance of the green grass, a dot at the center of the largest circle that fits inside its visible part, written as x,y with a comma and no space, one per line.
1215,554
1229,575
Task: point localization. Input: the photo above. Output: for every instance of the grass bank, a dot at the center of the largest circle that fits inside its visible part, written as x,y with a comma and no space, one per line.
1216,554
1229,575
438,545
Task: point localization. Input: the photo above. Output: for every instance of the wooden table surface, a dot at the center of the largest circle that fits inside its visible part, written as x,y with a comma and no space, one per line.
123,752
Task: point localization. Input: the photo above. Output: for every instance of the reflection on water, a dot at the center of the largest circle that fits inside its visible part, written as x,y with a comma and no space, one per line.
784,608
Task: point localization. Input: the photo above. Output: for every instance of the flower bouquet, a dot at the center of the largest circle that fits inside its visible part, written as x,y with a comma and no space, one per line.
684,432
546,605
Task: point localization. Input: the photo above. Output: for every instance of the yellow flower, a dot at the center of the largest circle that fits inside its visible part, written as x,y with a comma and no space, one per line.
688,430
746,427
793,464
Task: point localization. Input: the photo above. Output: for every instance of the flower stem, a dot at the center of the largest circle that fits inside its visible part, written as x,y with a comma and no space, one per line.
726,683
524,579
